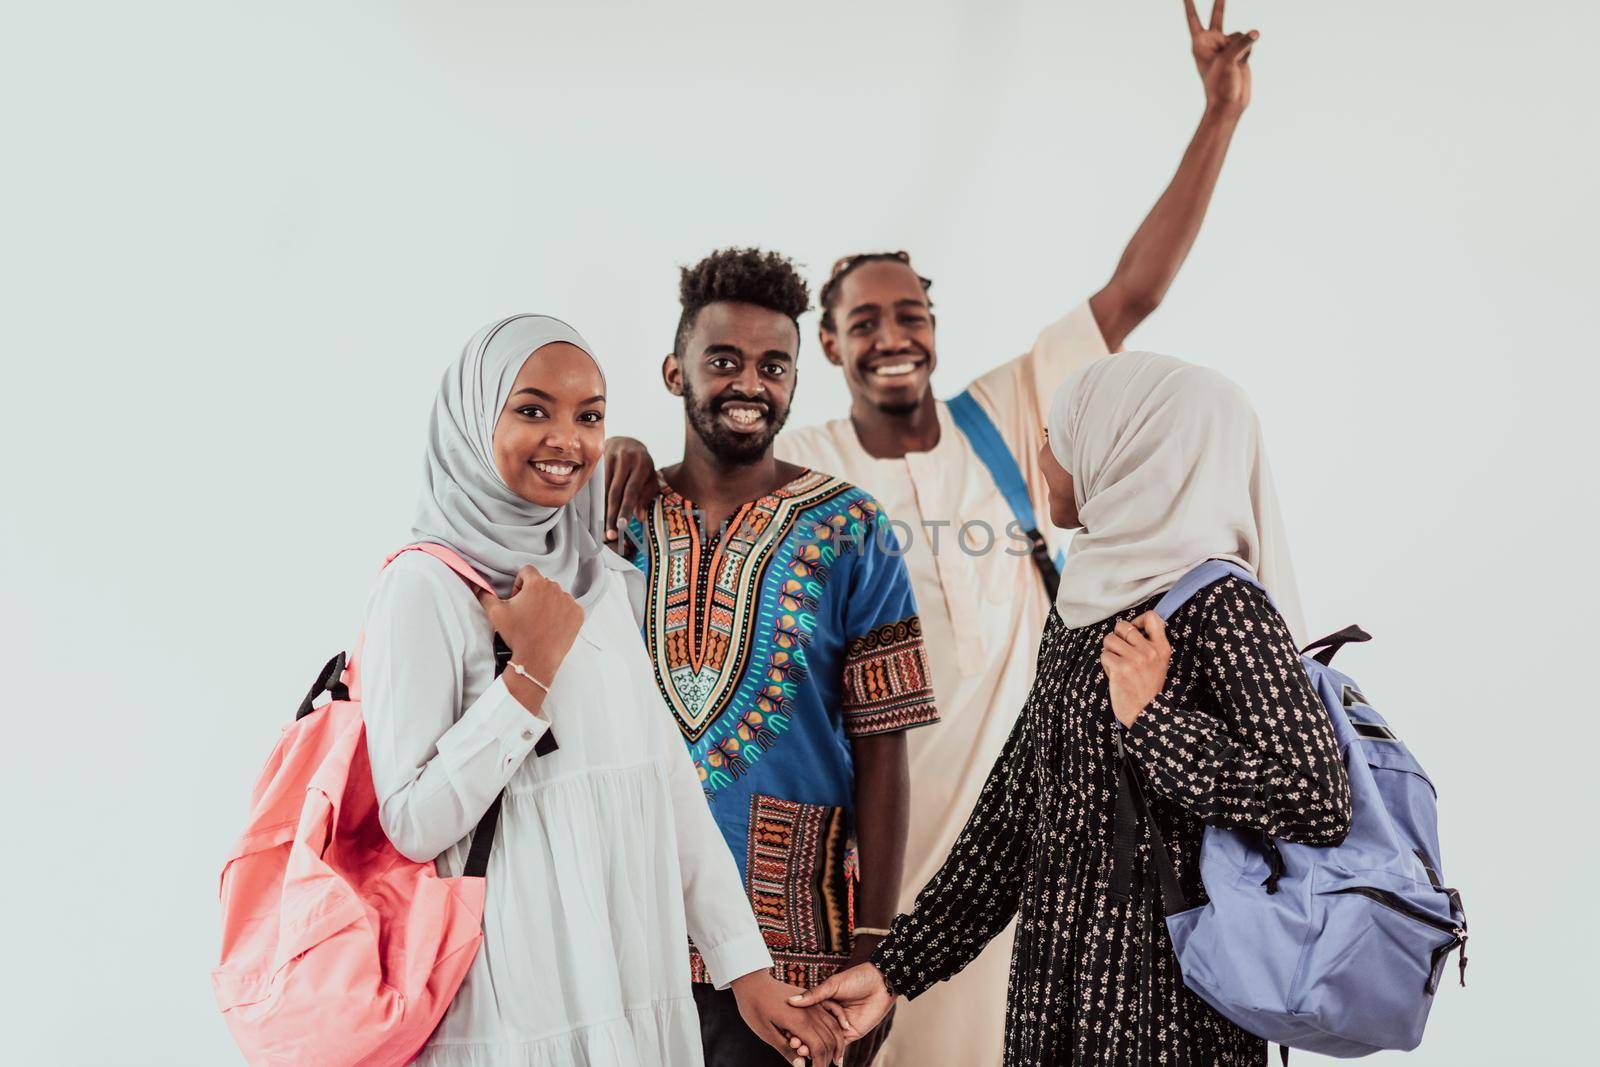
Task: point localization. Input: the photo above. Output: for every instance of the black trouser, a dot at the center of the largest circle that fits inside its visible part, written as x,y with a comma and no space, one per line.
730,1043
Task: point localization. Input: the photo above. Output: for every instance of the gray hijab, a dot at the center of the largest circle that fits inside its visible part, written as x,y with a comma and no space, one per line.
466,506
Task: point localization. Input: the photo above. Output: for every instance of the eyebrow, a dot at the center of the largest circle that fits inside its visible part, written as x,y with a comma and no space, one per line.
906,302
596,399
735,350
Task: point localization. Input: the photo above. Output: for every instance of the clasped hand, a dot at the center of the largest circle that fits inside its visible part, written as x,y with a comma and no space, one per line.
815,1031
858,998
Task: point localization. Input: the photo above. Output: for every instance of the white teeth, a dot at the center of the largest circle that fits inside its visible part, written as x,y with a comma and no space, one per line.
894,370
558,469
744,415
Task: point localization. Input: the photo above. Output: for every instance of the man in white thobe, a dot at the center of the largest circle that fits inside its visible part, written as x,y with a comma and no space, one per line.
981,597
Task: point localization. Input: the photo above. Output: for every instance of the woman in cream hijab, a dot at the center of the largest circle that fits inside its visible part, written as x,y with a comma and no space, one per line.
605,860
1161,464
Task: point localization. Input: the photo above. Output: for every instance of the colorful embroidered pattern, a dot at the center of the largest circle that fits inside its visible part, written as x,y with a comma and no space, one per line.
727,623
798,876
886,681
774,642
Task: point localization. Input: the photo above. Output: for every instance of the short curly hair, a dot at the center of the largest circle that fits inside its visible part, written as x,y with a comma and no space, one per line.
744,276
842,268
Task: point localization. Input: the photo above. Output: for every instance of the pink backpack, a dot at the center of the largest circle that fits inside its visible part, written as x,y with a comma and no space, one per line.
337,951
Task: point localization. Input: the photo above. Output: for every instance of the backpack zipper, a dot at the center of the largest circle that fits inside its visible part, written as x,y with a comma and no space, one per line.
1457,932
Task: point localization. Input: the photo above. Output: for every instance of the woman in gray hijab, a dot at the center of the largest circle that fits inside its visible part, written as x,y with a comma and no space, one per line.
605,860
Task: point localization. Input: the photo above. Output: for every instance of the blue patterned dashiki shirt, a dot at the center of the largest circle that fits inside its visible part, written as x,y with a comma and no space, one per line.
774,644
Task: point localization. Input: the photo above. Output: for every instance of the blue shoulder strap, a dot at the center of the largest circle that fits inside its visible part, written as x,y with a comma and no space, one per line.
1210,572
980,430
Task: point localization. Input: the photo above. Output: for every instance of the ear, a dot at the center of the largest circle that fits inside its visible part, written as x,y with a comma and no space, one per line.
830,345
672,374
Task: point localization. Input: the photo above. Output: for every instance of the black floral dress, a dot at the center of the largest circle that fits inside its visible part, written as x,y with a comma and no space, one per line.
1238,738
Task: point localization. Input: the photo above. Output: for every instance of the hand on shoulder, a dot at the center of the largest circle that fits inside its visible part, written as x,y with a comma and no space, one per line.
1135,656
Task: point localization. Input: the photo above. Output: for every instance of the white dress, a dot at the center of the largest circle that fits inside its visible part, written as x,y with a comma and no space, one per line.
606,858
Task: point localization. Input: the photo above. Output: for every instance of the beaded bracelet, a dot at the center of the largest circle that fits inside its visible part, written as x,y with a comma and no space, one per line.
518,668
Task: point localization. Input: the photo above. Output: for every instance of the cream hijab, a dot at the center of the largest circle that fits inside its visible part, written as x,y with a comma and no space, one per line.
1169,470
466,506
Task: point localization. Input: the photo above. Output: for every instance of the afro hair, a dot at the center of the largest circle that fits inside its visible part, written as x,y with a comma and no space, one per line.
744,276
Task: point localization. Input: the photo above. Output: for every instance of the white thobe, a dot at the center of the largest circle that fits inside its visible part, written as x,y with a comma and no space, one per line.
983,609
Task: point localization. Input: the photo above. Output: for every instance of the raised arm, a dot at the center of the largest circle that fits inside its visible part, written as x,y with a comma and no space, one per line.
1163,240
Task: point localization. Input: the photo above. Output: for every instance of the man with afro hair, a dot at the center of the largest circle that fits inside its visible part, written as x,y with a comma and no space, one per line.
787,648
983,569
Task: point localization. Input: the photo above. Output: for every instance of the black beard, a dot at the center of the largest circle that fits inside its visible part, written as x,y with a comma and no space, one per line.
730,448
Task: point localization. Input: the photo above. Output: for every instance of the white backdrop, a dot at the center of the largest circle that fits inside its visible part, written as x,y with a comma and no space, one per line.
242,240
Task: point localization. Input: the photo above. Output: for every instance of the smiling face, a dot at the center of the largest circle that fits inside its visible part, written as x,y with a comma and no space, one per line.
883,336
549,436
736,374
1063,498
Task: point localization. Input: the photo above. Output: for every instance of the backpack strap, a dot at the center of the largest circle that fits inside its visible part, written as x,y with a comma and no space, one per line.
1131,806
349,675
450,559
477,864
979,430
1206,574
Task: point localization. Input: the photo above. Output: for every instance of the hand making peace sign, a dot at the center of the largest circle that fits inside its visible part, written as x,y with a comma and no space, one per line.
1222,58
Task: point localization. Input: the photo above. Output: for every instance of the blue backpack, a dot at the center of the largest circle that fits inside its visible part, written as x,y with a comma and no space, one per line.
1333,949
